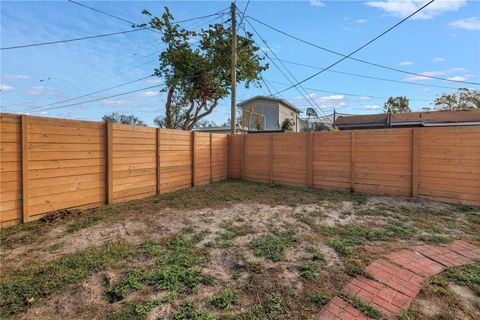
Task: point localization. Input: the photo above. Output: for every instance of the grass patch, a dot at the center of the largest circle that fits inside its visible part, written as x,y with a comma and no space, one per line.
137,310
468,275
223,300
31,283
362,306
88,221
355,268
272,246
133,280
319,298
317,255
187,311
308,270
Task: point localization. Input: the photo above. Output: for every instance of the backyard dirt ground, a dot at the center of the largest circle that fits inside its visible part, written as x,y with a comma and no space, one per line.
229,250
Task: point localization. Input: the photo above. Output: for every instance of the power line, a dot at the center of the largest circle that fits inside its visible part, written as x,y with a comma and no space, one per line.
71,40
357,59
87,94
307,96
243,14
99,99
361,47
345,93
133,23
368,76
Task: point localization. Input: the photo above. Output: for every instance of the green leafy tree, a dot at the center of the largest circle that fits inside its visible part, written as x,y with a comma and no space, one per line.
119,118
197,79
397,105
461,100
287,125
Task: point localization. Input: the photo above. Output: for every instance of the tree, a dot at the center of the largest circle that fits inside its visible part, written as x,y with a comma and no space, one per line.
397,105
461,100
287,125
118,118
197,79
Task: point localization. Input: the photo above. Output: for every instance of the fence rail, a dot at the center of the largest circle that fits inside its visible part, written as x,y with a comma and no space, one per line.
436,163
50,164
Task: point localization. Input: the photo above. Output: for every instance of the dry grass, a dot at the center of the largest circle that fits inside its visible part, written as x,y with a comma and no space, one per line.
230,250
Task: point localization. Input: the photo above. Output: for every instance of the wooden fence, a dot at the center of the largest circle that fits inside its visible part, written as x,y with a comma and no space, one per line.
50,164
436,163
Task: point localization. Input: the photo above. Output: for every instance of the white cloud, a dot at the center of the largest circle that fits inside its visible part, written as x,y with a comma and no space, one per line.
438,59
372,107
316,3
14,77
44,112
154,81
150,94
40,90
361,21
365,98
467,24
5,88
458,78
404,8
405,63
115,102
421,75
331,101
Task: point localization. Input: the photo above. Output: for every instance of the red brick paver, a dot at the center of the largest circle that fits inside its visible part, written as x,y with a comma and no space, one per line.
338,309
385,299
416,263
465,249
442,255
400,279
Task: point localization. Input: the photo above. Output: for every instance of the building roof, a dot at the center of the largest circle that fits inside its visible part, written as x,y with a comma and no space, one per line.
282,101
428,118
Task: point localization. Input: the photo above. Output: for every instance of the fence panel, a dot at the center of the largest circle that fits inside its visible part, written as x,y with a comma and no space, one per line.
235,156
11,170
175,160
134,167
449,164
383,161
256,157
219,156
290,158
331,160
201,142
64,165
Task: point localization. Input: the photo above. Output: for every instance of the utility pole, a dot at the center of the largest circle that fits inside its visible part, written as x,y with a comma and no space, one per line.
234,69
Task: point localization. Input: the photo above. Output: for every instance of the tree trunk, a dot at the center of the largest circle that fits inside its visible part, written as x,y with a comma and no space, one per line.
168,109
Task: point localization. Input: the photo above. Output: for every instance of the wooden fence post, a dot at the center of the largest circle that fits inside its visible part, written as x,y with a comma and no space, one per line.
194,180
211,157
414,162
352,161
242,158
158,159
25,205
270,162
229,156
109,162
310,159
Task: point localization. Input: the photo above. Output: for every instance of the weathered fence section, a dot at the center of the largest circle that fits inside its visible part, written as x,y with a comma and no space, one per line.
50,164
436,163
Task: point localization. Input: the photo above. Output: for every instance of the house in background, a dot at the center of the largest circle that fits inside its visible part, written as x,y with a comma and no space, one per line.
444,118
269,112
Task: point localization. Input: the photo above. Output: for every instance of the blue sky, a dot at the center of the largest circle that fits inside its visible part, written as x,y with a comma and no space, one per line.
443,41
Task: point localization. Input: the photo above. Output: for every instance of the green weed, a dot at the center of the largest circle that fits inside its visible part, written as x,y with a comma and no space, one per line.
362,306
308,270
224,300
273,246
31,283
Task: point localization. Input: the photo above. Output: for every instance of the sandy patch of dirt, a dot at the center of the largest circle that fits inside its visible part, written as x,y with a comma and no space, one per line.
406,202
78,302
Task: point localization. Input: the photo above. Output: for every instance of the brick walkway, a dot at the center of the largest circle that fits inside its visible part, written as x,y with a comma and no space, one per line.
398,279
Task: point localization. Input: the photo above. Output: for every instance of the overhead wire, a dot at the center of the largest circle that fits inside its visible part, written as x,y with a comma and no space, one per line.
304,94
71,40
362,60
361,47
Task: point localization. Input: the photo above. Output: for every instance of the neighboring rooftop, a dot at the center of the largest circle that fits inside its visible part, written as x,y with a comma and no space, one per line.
284,102
411,119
